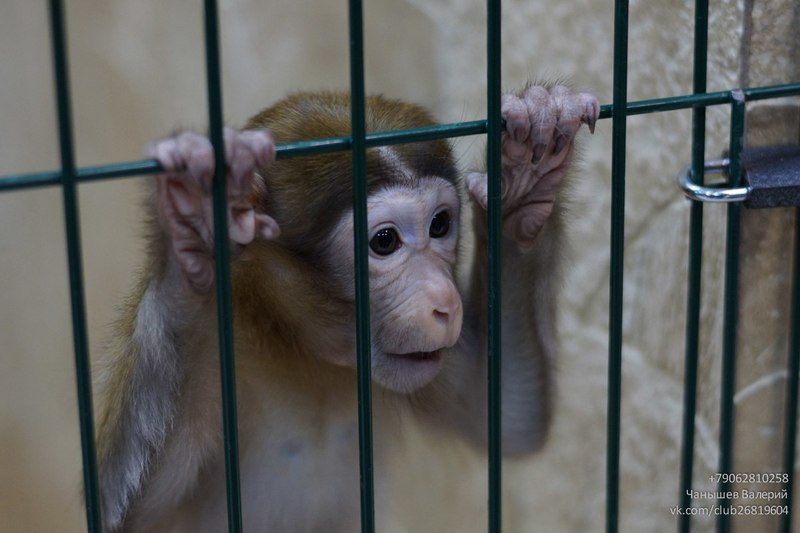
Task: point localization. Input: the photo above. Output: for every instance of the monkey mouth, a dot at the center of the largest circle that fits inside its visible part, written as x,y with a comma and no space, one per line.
407,372
419,356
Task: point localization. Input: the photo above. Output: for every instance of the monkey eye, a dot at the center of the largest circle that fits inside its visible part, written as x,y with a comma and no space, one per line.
385,242
440,225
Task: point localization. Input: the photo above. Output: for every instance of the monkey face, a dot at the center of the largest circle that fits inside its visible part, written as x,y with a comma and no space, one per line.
416,308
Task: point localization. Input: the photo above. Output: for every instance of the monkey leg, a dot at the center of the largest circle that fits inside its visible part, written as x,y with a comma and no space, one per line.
537,145
184,199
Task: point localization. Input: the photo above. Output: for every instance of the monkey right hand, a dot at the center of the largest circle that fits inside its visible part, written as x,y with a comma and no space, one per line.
184,198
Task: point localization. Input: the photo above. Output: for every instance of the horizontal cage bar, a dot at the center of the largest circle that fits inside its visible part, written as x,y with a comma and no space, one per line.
443,131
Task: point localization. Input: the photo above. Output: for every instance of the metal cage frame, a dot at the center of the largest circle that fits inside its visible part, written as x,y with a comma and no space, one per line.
68,176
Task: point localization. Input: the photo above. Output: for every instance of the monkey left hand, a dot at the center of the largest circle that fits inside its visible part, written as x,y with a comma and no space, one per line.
537,145
184,199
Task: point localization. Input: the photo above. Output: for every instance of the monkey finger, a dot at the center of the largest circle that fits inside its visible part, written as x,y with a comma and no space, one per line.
235,159
242,170
576,108
570,110
267,227
592,110
187,152
261,144
543,115
184,202
247,151
241,225
165,152
196,154
515,113
245,225
478,188
189,240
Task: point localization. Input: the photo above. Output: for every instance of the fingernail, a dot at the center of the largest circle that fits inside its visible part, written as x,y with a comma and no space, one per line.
561,143
538,153
589,121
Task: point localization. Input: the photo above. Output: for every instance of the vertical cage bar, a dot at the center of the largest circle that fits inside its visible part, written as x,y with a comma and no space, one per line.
74,257
619,132
359,147
731,307
790,423
694,281
223,272
493,131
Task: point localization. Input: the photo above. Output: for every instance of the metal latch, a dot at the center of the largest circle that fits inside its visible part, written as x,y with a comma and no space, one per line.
770,176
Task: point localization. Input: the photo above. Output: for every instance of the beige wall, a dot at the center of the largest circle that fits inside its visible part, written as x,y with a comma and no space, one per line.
137,73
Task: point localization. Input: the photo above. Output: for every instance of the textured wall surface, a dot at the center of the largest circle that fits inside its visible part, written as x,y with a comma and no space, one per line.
137,73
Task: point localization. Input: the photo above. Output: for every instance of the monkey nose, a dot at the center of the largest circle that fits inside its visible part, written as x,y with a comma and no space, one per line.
446,304
447,315
441,316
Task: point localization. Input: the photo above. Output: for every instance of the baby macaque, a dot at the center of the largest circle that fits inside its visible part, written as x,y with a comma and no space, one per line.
161,463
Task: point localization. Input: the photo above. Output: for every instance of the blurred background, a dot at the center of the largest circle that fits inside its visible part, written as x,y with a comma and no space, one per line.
137,73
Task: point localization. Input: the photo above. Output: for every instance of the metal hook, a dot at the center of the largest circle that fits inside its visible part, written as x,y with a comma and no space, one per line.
711,193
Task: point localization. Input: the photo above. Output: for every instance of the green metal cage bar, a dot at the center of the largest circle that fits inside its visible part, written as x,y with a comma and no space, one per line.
694,279
494,125
358,147
790,421
618,142
731,306
335,144
75,261
223,269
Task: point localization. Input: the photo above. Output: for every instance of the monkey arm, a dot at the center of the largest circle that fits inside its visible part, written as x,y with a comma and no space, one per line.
537,147
530,281
161,418
139,429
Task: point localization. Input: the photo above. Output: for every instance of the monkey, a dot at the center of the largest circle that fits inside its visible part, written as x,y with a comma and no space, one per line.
160,450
